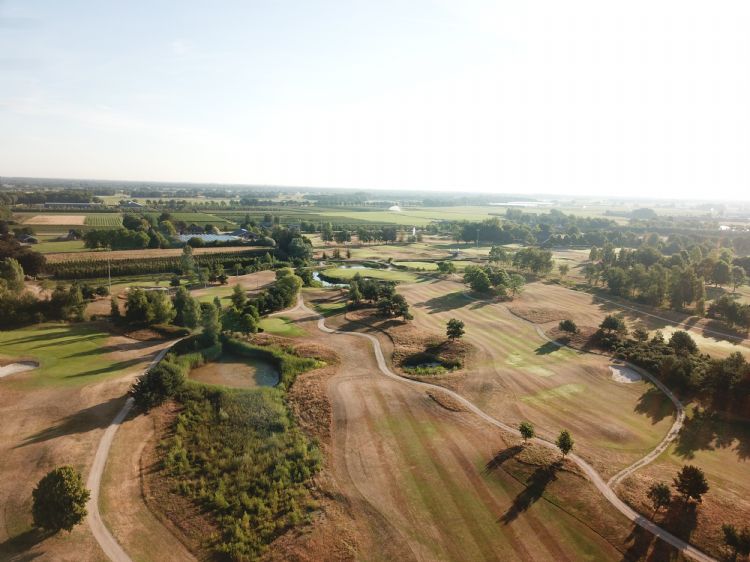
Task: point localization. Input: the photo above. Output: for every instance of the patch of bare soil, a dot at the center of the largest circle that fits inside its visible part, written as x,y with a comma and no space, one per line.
174,511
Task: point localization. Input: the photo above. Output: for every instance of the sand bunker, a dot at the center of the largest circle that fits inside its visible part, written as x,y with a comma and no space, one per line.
624,374
18,367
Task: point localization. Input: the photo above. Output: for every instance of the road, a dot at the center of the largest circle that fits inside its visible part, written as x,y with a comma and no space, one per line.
686,549
109,544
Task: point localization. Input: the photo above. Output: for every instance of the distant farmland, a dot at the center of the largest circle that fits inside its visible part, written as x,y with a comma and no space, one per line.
108,220
141,254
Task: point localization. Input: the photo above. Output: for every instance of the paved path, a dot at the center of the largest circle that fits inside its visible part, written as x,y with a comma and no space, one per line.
109,544
593,475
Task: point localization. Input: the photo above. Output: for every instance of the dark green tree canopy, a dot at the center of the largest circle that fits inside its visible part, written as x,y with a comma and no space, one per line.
59,500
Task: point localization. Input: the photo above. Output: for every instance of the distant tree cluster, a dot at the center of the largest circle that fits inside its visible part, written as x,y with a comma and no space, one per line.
722,383
380,293
493,280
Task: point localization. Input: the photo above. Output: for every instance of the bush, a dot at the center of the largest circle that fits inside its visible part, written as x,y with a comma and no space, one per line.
59,500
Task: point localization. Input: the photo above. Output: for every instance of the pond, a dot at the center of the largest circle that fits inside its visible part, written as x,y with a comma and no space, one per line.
237,372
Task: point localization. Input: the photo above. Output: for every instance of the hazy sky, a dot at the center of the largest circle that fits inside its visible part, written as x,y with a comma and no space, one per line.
590,97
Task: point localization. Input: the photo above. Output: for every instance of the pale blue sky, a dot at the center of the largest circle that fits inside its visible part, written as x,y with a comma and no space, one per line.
585,97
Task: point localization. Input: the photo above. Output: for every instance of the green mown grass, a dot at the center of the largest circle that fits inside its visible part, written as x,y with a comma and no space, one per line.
281,326
68,354
49,246
385,274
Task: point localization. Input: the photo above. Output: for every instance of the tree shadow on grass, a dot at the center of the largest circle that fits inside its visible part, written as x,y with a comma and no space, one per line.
444,303
705,430
15,549
654,404
95,417
120,365
500,457
125,346
547,348
535,487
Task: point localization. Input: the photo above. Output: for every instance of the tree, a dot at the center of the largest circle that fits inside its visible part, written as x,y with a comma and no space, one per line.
682,343
12,273
640,334
660,495
568,326
691,483
59,500
613,324
737,541
114,309
564,442
238,297
211,326
527,430
498,254
738,277
722,273
454,329
187,309
478,280
355,295
564,268
187,262
446,267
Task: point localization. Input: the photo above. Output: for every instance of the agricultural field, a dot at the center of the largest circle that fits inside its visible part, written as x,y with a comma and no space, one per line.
109,220
102,255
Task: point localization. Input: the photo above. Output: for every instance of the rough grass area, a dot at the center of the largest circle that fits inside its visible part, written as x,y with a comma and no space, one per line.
51,246
239,456
68,354
281,326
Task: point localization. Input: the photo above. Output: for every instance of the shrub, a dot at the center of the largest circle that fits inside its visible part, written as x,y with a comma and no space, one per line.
59,500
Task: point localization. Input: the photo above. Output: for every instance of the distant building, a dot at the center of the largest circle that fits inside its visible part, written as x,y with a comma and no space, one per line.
131,205
73,205
244,234
27,239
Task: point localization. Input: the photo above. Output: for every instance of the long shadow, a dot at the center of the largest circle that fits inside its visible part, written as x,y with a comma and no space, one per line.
706,431
444,303
129,346
83,421
535,487
547,348
654,404
102,370
500,457
642,540
15,549
56,334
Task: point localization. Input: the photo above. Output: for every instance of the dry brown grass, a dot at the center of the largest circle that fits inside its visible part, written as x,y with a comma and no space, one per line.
56,220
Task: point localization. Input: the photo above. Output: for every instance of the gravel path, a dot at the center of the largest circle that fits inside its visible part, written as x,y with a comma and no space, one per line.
109,544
